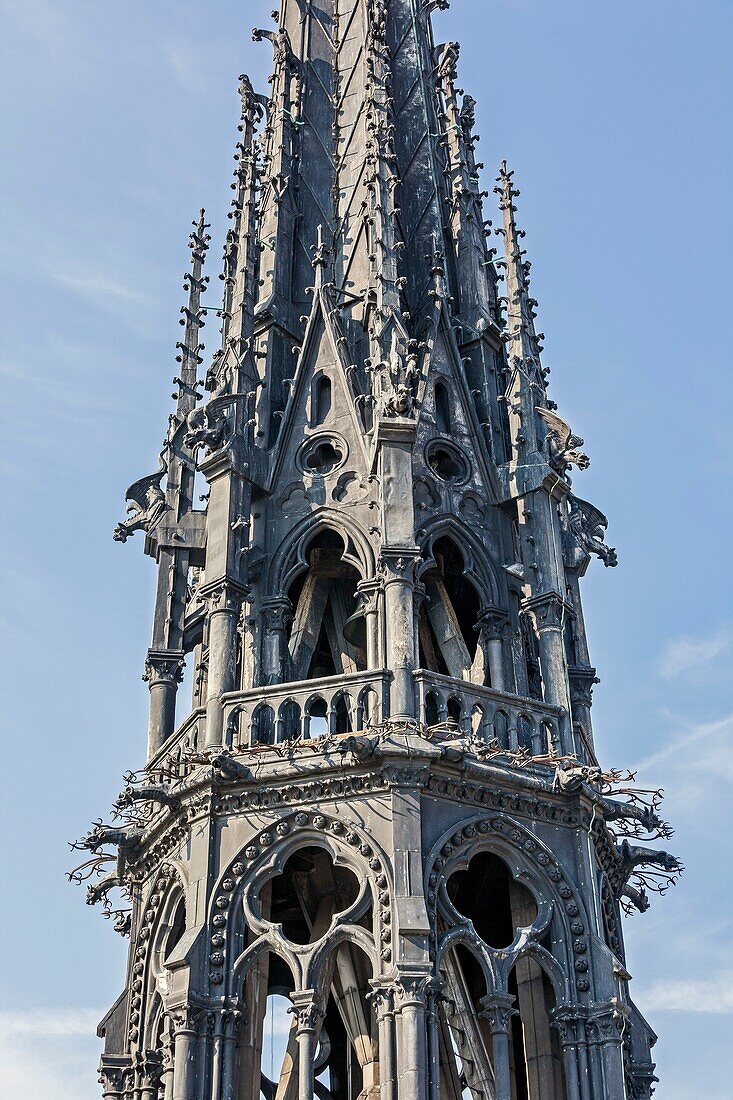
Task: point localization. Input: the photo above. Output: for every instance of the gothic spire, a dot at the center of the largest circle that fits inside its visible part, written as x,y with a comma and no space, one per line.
192,319
526,388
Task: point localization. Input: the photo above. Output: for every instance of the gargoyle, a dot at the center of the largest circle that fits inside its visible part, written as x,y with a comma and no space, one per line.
280,39
147,505
102,835
251,100
468,114
588,525
223,763
123,922
363,748
633,856
399,403
638,898
570,780
131,795
207,424
560,445
99,890
446,61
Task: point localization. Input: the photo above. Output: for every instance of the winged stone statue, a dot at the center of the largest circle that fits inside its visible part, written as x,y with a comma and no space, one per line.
207,424
561,446
588,524
147,504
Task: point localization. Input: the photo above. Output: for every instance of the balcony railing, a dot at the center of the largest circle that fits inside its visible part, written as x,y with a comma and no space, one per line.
515,723
308,709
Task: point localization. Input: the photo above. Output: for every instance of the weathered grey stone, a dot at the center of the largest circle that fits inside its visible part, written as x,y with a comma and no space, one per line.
384,802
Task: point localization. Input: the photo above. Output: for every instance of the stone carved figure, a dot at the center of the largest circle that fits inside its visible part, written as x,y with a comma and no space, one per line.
561,446
589,525
147,504
207,424
571,779
633,856
400,402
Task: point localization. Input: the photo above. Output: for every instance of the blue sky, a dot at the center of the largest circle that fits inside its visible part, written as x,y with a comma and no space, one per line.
118,124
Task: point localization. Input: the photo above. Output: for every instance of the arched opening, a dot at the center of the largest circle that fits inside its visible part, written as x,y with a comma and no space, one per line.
487,894
525,733
442,409
433,709
321,399
447,626
177,928
311,890
535,1054
324,598
263,725
462,1035
289,721
341,710
317,717
501,729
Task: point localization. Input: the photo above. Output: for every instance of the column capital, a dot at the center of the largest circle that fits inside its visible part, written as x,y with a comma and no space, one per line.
382,997
493,621
113,1076
224,595
278,612
398,564
498,1009
187,1018
412,988
164,666
548,611
607,1022
569,1022
582,682
308,1009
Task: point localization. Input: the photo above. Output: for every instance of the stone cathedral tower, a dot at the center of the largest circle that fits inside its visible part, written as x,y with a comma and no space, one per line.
383,810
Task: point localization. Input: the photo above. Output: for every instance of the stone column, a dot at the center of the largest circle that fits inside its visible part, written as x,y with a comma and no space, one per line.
166,1079
277,614
224,603
369,596
396,439
150,1071
568,1023
548,614
498,1010
112,1077
492,623
186,1024
412,1056
606,1026
399,573
435,992
383,999
309,1013
163,673
234,1024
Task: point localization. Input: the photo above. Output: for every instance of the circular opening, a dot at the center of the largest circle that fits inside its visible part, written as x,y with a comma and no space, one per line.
447,462
321,456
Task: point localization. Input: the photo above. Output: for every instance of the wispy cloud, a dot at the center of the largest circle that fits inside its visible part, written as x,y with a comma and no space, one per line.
706,996
707,733
57,1023
97,287
686,653
49,1053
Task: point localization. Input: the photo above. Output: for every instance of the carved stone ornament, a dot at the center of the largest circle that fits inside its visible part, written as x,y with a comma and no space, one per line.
588,527
147,505
561,446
